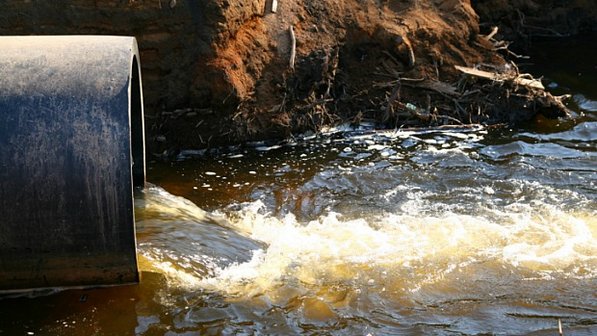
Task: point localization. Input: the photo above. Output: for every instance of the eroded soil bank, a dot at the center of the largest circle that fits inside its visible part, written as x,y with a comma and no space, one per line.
219,72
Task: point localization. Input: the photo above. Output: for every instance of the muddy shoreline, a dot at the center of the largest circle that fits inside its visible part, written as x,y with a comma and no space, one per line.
217,72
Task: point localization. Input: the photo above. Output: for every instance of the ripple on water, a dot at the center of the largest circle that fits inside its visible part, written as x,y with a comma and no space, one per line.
548,150
416,238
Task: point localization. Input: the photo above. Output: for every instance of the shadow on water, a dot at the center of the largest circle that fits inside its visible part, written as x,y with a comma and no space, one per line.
568,64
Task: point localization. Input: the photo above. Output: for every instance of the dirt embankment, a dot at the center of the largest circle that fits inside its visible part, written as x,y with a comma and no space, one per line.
219,71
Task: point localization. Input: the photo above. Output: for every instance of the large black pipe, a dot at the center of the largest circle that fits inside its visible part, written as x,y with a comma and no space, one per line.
71,152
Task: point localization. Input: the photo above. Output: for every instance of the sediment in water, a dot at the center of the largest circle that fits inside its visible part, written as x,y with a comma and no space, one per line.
218,72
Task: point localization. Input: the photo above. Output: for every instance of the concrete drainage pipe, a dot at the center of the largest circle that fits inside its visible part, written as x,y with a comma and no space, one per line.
71,152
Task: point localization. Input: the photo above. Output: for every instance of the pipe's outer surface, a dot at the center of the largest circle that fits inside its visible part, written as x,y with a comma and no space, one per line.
71,152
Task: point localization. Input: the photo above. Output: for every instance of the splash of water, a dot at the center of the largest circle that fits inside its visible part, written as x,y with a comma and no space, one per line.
402,250
418,249
453,212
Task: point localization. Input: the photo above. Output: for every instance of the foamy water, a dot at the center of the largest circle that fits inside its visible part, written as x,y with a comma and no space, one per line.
538,239
401,232
401,211
433,230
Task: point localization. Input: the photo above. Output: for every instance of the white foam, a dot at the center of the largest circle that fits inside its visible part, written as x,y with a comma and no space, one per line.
331,249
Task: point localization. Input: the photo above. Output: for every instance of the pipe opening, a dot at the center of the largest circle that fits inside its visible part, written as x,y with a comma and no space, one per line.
137,129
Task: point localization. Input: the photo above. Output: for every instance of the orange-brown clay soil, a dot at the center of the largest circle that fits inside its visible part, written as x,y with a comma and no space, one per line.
356,60
219,71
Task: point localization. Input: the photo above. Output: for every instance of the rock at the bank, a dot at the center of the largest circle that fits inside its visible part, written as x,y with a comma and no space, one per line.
217,71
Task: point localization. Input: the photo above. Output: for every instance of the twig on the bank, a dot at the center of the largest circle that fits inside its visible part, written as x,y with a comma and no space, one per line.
331,75
411,53
519,80
515,67
393,97
408,79
504,45
558,98
292,47
274,6
456,120
468,93
510,52
560,327
391,71
492,34
390,56
279,107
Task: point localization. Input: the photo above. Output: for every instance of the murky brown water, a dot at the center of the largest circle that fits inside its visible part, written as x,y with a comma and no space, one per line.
437,232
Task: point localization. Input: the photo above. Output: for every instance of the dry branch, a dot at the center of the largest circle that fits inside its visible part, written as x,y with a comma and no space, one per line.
411,53
520,80
292,47
492,34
